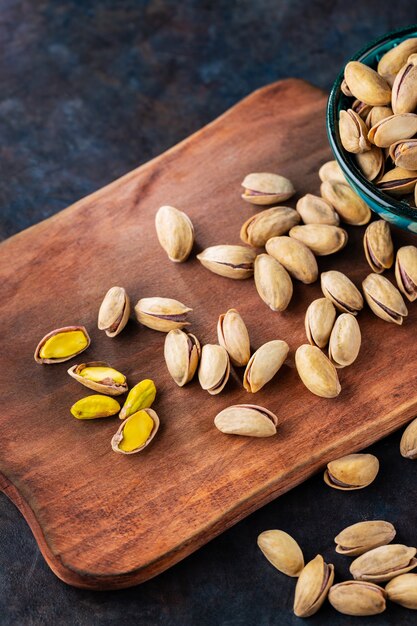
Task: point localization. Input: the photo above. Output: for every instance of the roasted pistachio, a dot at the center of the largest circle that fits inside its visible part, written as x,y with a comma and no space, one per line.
162,314
316,371
363,536
391,129
312,587
366,85
345,89
266,188
384,299
141,396
175,233
408,444
331,170
248,420
354,471
214,369
353,132
322,239
371,163
233,335
95,406
404,89
378,246
340,290
403,590
392,61
229,261
62,344
345,341
350,207
398,181
99,376
269,223
272,282
376,114
264,364
282,551
404,153
316,210
361,108
319,320
383,563
182,352
114,311
136,432
354,597
297,259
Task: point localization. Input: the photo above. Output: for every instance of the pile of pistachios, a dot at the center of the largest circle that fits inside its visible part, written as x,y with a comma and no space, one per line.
380,127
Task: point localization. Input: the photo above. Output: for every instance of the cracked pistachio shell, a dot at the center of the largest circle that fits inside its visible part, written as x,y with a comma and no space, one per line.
394,128
350,207
312,587
316,210
228,260
398,181
403,590
99,376
265,188
364,536
233,335
404,89
377,114
319,320
175,233
345,341
114,311
366,85
404,153
162,314
331,170
247,420
371,163
354,471
269,223
354,597
353,132
141,396
378,246
322,239
340,290
182,352
95,406
136,432
297,259
408,443
361,108
392,61
62,344
214,370
264,364
383,563
316,371
384,299
282,551
272,282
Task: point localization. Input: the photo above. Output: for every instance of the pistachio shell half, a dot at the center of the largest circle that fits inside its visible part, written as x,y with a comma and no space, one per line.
350,207
136,432
340,290
233,335
282,551
264,364
182,352
384,299
312,587
316,371
366,85
353,132
228,260
319,320
269,223
403,590
392,61
266,188
114,311
331,170
297,259
99,376
248,420
354,597
214,369
378,246
383,563
322,239
272,282
408,443
354,471
175,233
62,344
363,536
316,210
345,341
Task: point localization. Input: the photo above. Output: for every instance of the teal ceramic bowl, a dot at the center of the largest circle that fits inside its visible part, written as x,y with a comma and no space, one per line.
393,210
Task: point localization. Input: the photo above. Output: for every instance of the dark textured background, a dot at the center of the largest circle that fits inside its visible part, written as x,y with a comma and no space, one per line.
89,90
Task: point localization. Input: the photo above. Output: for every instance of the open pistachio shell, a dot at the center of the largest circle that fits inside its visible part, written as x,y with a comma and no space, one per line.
264,364
398,181
350,207
353,132
322,239
269,223
114,311
404,153
175,233
312,587
408,443
378,246
331,170
345,341
319,320
366,85
182,352
62,344
247,420
363,536
361,108
392,61
99,376
316,210
403,590
404,89
282,551
383,563
371,163
297,259
272,282
214,370
354,471
229,261
358,598
384,299
316,371
162,314
136,432
340,290
265,188
233,335
391,129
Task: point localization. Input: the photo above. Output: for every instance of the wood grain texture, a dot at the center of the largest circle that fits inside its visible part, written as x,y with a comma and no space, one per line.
107,521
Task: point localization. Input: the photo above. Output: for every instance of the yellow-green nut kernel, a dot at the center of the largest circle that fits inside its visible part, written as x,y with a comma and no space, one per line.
95,406
136,432
99,376
139,397
62,344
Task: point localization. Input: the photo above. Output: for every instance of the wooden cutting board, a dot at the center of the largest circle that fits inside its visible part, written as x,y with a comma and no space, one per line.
104,520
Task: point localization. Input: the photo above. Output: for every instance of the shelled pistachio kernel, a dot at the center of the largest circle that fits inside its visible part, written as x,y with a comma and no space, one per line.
99,376
62,344
141,396
354,471
95,406
136,432
114,311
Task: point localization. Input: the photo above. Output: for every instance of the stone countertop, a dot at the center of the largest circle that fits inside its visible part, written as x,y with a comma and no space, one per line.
91,89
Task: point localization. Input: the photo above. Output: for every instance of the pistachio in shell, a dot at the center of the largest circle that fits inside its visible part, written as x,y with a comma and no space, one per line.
353,132
378,246
394,128
383,563
214,369
403,590
268,223
248,420
114,311
297,259
316,210
265,188
319,321
398,181
229,261
99,376
371,163
366,85
182,353
312,587
358,598
62,344
282,551
175,233
404,153
162,314
317,372
361,108
364,536
408,443
404,89
345,341
322,239
340,290
233,335
331,170
377,114
264,364
392,61
384,299
136,432
350,207
354,471
272,282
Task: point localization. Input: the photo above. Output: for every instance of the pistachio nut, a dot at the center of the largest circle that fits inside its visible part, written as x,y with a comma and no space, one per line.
404,89
135,432
350,207
175,233
394,128
378,246
264,364
392,61
312,587
361,108
340,290
266,188
233,335
319,320
322,239
269,223
371,163
366,85
353,132
316,371
214,370
384,299
229,261
62,344
408,443
404,153
114,311
354,471
377,114
95,406
355,597
345,89
297,259
182,352
272,282
383,563
398,181
316,210
282,551
331,170
141,396
248,420
162,314
345,341
406,271
364,536
99,376
403,590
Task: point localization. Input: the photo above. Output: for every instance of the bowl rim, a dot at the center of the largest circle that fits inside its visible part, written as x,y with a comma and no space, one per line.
388,203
